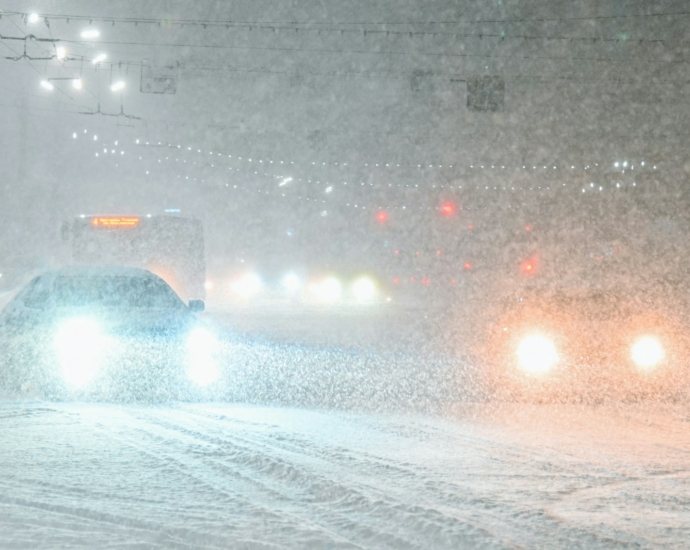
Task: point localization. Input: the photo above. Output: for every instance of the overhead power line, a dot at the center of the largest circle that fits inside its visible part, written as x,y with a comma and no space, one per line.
374,52
235,22
28,37
27,59
282,27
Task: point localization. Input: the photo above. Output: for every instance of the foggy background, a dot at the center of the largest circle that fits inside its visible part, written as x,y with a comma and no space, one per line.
364,106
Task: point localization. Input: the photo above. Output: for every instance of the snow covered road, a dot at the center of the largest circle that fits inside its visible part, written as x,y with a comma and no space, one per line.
232,476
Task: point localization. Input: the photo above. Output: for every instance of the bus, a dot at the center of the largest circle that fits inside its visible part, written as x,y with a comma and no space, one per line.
172,247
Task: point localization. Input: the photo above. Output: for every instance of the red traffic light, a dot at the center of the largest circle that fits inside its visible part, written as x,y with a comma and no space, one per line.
448,209
382,217
529,266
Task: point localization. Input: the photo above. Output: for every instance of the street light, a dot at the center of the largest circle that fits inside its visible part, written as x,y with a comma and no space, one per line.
90,33
46,85
117,86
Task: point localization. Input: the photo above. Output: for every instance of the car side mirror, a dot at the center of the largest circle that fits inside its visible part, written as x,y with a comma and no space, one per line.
196,306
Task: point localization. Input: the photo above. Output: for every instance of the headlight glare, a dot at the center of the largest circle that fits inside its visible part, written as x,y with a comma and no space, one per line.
330,289
364,289
80,346
536,354
202,349
647,352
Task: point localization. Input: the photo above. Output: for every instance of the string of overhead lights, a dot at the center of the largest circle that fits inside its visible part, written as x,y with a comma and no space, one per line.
280,181
621,166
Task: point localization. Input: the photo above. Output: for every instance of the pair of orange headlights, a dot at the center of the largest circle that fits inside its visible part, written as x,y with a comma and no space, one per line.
538,354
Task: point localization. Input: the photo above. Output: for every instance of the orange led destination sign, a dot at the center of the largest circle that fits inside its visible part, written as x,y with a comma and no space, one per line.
115,221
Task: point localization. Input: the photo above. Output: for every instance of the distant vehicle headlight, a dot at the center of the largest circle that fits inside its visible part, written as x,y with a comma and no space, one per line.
291,282
647,352
202,351
329,290
364,289
536,354
80,347
247,286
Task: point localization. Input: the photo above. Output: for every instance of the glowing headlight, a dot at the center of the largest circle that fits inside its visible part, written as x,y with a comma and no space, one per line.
202,349
364,289
80,346
247,286
329,290
536,354
291,282
647,352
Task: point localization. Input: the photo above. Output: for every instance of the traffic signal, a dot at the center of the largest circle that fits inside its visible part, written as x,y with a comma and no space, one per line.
382,217
529,266
448,208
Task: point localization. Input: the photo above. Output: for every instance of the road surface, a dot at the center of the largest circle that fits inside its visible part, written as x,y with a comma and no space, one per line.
237,476
362,434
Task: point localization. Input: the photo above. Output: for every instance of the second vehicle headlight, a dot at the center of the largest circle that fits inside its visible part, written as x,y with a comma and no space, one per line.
202,352
536,354
647,352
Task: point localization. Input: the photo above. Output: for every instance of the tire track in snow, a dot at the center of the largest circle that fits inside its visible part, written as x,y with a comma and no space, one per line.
186,463
300,486
456,508
220,475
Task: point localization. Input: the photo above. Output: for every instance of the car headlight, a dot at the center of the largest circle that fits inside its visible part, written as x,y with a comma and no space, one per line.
647,352
202,350
364,289
80,346
536,354
247,286
329,290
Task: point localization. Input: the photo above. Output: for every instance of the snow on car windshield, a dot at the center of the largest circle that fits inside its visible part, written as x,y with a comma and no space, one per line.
139,292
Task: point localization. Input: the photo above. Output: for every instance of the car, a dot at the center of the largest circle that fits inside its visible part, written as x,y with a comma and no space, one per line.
106,333
573,344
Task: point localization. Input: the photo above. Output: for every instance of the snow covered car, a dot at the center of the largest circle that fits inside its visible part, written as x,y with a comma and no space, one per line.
105,332
587,345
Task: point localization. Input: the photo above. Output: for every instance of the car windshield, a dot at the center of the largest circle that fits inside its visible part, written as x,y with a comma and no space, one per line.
135,292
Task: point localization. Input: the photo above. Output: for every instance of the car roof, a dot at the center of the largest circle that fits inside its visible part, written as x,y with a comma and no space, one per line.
101,271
